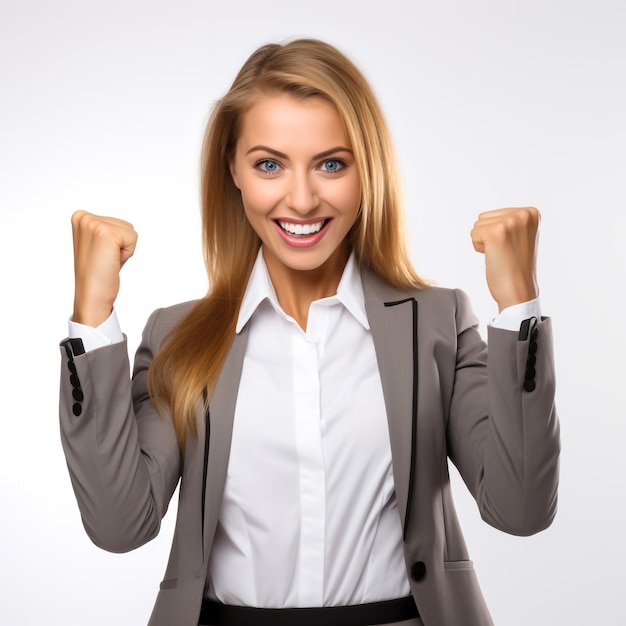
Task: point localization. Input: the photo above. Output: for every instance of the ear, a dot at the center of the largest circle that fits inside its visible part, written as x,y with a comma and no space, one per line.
233,172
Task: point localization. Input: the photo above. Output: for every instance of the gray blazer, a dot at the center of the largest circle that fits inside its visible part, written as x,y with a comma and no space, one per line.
495,420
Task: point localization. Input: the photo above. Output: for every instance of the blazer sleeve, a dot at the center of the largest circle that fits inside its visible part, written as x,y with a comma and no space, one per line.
122,456
503,430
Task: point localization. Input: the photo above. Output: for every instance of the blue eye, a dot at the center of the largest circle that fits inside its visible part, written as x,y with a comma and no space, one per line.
333,165
267,165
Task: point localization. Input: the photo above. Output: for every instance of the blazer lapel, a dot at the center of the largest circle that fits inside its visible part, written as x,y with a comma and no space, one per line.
392,315
219,429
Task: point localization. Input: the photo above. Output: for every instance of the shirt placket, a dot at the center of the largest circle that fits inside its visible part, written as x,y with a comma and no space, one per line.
308,429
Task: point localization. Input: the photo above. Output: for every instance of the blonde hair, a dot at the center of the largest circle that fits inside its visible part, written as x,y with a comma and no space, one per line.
191,360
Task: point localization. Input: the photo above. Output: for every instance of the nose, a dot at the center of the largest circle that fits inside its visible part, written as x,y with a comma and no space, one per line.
302,195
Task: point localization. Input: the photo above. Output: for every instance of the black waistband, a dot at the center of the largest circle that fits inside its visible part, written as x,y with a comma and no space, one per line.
386,612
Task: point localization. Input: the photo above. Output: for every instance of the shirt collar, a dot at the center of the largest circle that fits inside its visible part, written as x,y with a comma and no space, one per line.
259,288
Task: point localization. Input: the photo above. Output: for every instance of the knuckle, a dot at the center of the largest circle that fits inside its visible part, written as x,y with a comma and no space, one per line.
530,213
77,216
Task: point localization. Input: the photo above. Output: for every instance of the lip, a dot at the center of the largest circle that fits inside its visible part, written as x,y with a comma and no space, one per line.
302,241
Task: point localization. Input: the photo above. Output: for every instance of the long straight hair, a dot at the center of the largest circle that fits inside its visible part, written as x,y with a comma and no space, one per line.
188,365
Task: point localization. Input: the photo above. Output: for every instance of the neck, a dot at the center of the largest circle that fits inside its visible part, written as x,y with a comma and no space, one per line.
297,289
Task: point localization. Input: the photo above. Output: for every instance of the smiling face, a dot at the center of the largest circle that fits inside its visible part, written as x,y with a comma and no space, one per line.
299,183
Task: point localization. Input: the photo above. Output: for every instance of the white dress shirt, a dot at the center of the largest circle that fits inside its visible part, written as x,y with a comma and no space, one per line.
309,513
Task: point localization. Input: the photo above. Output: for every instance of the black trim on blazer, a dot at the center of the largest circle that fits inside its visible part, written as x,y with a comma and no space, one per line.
410,494
528,332
73,347
207,439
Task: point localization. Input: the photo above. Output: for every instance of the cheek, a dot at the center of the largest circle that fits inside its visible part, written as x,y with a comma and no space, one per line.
258,198
256,218
349,196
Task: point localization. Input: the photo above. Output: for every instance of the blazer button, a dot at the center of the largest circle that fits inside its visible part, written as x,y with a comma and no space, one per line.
529,385
418,571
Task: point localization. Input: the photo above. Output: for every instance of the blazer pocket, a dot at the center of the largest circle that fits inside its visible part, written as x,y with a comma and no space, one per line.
171,583
458,565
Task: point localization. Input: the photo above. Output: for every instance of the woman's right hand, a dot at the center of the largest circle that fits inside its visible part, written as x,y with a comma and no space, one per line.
101,247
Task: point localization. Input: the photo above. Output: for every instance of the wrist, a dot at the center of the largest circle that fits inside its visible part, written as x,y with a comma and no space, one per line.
91,314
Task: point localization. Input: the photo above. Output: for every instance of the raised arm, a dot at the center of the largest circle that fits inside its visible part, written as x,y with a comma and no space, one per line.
122,456
507,456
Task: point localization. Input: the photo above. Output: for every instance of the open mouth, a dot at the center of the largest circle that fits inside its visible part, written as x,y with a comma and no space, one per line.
302,230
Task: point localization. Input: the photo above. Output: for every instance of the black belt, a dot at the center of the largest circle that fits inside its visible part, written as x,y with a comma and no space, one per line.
370,614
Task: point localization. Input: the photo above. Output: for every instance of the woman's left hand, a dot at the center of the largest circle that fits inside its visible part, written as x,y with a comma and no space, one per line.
508,239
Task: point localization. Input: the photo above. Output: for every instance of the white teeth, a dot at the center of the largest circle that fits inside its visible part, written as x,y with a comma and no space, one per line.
301,229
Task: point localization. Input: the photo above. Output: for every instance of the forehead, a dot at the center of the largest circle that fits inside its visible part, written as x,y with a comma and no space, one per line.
287,119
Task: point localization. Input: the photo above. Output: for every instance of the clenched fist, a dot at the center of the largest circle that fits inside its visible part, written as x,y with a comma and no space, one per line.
508,239
101,247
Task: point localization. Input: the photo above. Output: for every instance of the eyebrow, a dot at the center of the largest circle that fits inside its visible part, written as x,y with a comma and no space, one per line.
282,155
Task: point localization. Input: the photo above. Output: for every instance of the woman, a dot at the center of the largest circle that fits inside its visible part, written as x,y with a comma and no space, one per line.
308,404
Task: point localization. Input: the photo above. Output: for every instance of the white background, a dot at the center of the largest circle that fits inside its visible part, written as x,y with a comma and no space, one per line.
491,104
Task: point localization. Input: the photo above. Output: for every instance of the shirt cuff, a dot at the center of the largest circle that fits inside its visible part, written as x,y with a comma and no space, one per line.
109,332
512,317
